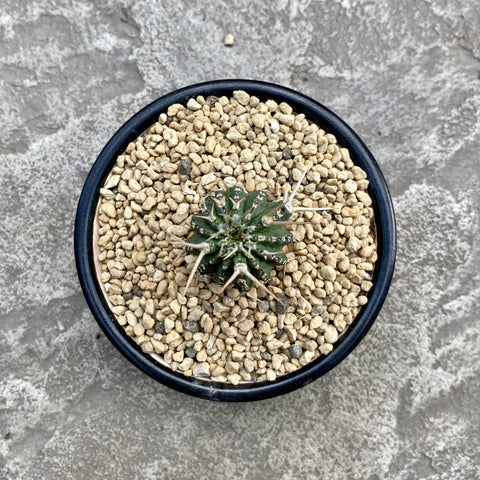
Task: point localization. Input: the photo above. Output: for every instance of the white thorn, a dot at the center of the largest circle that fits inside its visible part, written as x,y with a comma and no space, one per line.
197,246
178,256
232,252
250,296
243,269
276,209
214,235
288,202
286,222
210,217
195,267
235,274
308,209
273,253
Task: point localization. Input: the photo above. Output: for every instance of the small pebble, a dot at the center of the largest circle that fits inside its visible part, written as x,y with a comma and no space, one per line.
263,306
202,369
211,100
193,105
186,364
208,180
287,153
195,315
271,375
306,357
234,378
331,334
109,209
350,186
328,273
190,352
281,307
192,326
274,126
246,326
229,40
184,167
295,351
259,120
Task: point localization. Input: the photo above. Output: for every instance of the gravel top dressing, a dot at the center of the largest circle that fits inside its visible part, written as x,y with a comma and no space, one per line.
145,216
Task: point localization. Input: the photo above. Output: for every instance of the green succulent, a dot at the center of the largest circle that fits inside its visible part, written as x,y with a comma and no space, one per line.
240,236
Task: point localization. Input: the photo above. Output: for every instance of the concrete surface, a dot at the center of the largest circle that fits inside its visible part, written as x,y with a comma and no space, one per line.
406,75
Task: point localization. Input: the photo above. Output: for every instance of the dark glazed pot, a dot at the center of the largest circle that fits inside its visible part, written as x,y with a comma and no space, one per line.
84,252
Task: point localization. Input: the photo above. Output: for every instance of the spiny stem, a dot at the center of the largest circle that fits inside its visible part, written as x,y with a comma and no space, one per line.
233,233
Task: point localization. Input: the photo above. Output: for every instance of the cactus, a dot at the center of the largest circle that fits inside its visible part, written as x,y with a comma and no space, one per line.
240,236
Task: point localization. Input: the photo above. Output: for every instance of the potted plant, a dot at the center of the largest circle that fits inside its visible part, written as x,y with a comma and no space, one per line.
235,240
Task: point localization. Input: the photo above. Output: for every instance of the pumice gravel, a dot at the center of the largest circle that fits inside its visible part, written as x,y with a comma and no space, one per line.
219,324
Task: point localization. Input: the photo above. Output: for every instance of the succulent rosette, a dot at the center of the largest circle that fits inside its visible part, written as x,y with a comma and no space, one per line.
240,236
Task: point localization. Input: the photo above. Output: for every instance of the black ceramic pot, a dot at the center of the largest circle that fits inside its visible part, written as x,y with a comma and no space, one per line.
385,229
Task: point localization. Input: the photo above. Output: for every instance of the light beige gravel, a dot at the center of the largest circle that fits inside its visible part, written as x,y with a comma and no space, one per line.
159,183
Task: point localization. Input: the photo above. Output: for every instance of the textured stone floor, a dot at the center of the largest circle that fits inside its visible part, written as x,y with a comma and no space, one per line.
406,75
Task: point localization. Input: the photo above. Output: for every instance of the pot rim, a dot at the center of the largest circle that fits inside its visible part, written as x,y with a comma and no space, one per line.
385,230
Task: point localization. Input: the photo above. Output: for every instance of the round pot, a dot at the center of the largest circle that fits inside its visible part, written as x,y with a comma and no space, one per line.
84,248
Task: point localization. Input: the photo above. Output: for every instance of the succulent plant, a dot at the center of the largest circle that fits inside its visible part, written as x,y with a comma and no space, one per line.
240,236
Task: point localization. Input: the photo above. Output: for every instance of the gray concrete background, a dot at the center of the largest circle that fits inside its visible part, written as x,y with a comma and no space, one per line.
406,76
